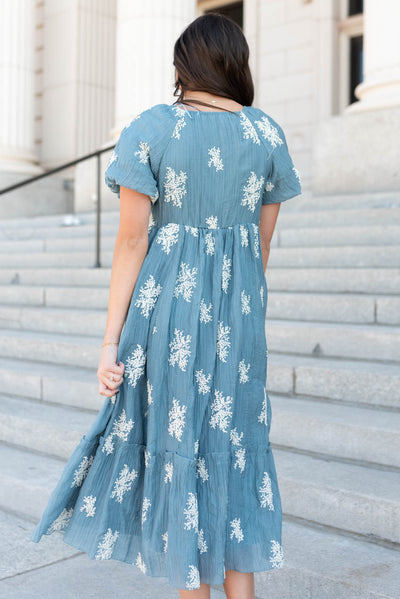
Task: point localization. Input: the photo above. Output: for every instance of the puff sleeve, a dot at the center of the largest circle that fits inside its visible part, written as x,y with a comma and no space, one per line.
130,163
283,179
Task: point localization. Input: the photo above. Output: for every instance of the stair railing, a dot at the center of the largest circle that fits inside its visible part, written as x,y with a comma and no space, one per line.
97,154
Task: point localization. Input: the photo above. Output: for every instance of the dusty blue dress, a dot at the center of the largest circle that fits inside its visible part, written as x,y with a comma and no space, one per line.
176,474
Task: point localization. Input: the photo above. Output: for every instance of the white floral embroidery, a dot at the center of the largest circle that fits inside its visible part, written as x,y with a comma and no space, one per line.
205,310
243,370
262,295
226,272
223,341
209,240
245,302
244,234
121,428
168,236
145,506
196,447
179,349
215,159
256,240
212,222
113,158
276,558
174,186
165,539
269,132
252,191
262,417
249,131
62,521
149,393
221,411
236,530
148,294
123,483
169,469
147,457
193,579
203,381
240,459
135,365
235,437
201,469
82,471
143,152
154,330
201,543
176,419
140,563
106,545
89,506
265,490
297,173
193,230
269,186
191,513
185,281
179,112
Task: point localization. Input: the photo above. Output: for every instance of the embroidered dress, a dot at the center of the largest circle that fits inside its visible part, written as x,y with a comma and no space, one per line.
176,475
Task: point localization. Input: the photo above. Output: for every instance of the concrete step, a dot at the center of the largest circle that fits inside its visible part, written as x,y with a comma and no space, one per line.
345,256
372,201
334,280
360,341
333,307
318,562
331,429
364,383
84,277
54,348
369,235
347,497
54,430
82,238
50,383
54,320
328,307
55,297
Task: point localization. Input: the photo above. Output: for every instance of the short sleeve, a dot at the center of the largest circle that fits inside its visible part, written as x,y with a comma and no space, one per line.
283,180
130,162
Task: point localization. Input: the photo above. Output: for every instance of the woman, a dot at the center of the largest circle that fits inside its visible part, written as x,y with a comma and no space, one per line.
176,474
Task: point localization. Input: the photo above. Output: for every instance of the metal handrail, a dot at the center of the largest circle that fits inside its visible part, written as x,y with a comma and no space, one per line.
97,154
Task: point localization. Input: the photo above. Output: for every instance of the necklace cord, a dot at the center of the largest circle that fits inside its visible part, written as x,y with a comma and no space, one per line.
206,104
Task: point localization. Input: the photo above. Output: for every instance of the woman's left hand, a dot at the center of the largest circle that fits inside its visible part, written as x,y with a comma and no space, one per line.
109,373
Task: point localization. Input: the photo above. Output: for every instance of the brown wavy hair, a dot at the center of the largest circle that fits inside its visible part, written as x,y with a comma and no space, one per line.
212,55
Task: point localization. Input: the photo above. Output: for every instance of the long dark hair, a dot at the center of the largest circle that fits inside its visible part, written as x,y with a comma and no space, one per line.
212,55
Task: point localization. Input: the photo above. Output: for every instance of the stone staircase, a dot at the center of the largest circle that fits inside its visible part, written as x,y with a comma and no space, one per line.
333,334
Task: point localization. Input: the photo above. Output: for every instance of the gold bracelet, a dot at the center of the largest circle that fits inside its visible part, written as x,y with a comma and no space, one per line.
110,343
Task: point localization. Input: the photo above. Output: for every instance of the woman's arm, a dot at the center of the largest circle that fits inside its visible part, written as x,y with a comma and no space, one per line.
268,217
130,250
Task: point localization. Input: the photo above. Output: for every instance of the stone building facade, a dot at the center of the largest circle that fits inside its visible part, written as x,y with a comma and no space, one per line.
327,70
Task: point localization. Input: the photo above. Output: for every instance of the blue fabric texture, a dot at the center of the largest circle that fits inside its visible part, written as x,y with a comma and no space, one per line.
176,476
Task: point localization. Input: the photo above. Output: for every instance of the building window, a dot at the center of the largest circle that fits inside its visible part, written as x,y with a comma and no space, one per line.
351,33
356,7
234,10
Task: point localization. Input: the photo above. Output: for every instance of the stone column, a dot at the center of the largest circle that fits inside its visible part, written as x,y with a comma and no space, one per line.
17,149
146,33
381,85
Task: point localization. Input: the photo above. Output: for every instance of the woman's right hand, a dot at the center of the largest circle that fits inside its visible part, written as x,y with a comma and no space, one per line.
108,369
